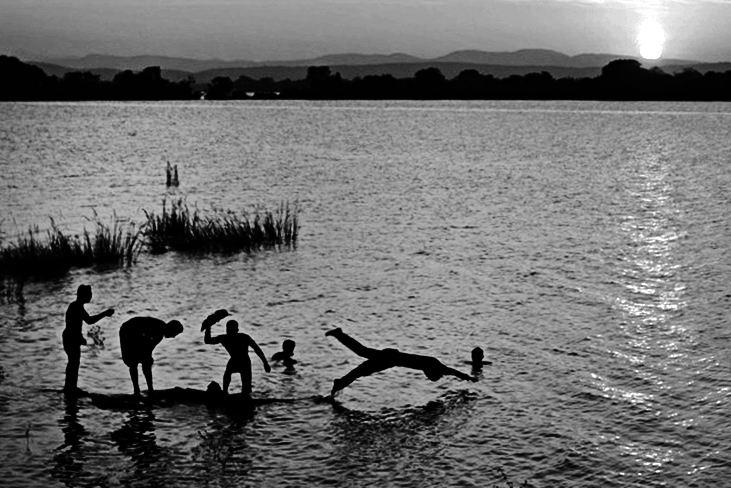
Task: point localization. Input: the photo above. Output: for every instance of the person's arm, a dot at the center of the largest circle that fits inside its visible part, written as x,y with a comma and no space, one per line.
458,374
259,353
214,318
93,319
207,339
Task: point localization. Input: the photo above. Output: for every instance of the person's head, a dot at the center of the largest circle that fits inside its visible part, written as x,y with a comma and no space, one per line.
172,329
434,374
232,327
83,293
288,346
477,355
214,388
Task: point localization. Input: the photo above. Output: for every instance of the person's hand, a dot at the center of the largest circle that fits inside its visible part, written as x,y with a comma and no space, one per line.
267,368
109,312
213,318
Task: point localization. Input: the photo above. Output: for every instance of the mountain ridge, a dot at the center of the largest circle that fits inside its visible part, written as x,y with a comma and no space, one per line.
522,57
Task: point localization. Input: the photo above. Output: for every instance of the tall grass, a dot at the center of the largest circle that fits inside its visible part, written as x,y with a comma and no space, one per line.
181,229
36,255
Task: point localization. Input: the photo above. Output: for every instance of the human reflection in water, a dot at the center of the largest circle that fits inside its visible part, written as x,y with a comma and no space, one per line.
138,337
136,438
392,435
382,359
73,338
223,456
68,462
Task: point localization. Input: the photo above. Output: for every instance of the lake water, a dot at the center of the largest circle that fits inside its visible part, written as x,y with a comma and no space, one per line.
585,246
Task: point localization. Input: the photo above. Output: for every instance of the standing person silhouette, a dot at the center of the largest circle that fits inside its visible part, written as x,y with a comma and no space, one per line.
382,359
138,337
237,344
73,337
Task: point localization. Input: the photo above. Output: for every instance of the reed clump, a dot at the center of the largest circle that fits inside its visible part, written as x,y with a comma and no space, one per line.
36,255
183,229
53,254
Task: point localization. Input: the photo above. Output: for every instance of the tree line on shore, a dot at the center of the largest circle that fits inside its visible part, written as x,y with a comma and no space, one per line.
623,79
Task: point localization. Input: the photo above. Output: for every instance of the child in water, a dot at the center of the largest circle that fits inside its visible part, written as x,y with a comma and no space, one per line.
478,359
285,355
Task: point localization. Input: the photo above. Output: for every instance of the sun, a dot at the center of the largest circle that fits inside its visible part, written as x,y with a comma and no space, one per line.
650,39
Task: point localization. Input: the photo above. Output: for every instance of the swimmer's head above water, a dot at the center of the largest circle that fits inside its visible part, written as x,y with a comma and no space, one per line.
477,355
433,374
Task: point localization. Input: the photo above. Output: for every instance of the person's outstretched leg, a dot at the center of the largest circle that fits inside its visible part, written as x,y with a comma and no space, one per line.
366,368
352,344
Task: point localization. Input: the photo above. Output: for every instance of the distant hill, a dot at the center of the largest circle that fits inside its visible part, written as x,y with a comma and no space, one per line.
105,74
399,65
351,59
137,63
545,57
405,70
524,57
57,70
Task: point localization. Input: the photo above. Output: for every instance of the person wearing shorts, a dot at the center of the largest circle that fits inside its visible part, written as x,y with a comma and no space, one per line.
138,337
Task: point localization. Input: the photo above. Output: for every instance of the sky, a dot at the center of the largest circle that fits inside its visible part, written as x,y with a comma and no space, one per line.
262,30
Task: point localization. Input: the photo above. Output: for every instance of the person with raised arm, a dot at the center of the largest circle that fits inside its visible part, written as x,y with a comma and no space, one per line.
138,337
73,338
237,344
382,359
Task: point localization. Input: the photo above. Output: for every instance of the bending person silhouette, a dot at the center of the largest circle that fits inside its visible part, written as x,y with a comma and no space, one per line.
382,359
73,338
237,344
138,337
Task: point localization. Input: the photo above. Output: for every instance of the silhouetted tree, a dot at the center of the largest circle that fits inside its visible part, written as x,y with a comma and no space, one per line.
430,83
220,88
317,74
21,81
623,79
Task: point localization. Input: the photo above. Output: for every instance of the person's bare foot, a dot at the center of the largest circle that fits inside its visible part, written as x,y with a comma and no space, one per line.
336,387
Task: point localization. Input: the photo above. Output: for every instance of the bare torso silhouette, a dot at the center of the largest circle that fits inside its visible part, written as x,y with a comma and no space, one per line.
73,337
